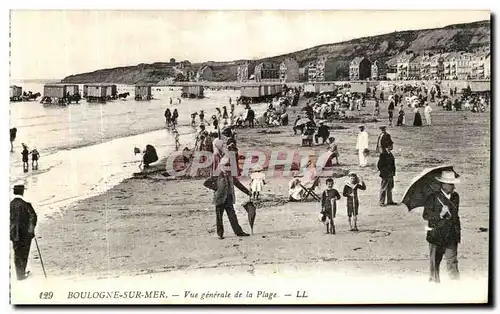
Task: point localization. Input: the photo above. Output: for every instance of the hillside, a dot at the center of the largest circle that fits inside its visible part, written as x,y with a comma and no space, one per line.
385,47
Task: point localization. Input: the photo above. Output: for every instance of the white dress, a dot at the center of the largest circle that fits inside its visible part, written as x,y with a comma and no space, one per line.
257,181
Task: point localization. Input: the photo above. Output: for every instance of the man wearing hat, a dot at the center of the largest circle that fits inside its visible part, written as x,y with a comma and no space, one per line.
384,140
387,167
224,199
362,145
443,231
22,229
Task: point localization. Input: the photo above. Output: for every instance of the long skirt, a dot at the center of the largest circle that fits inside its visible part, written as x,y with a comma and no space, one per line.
418,119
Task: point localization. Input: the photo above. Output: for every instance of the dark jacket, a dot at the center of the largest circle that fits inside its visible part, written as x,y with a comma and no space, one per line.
22,220
223,185
384,140
323,131
326,199
386,165
449,227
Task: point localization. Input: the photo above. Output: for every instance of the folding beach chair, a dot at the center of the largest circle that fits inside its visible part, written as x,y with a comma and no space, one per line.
310,191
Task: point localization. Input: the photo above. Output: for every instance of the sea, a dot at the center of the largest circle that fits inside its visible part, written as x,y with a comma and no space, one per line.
87,148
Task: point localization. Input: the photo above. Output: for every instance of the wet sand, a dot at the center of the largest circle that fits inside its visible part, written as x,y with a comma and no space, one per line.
152,226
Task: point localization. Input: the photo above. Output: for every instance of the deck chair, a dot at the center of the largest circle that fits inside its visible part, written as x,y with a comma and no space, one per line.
310,191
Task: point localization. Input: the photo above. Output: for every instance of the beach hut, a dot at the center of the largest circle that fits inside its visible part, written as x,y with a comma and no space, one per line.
72,90
254,93
143,92
15,93
311,89
358,87
480,86
95,93
326,87
111,92
192,91
54,94
250,91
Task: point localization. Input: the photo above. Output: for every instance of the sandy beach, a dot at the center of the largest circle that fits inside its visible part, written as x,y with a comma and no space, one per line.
158,228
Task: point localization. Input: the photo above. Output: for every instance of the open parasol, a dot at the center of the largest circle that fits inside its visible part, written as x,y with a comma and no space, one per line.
303,121
423,185
252,212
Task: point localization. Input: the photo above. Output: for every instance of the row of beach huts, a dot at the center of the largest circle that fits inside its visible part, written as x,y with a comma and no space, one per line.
62,94
67,93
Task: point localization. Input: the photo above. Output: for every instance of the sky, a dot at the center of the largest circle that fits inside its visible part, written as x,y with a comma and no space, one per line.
54,44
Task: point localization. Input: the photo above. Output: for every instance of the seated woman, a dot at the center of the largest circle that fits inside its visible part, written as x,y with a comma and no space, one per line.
295,191
284,119
149,156
332,151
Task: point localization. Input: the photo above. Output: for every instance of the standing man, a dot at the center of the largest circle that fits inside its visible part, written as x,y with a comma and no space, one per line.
362,145
387,167
224,198
22,229
13,133
443,235
390,110
427,113
384,140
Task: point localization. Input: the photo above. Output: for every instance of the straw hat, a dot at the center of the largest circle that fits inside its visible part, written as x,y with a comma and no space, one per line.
448,177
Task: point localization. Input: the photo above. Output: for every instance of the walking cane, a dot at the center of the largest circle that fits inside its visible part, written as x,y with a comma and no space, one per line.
40,255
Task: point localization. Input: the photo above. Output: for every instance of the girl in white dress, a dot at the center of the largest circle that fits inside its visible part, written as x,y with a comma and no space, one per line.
258,182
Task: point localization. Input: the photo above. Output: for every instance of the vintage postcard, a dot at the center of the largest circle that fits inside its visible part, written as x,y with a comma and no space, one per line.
250,157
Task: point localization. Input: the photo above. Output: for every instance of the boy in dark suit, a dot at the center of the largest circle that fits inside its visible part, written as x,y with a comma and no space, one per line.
329,205
352,185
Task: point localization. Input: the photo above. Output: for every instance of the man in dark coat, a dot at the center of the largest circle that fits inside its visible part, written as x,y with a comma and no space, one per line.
443,231
224,199
22,229
384,140
387,167
323,133
390,110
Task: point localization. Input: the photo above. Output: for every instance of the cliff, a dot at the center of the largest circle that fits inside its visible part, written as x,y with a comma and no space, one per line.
459,37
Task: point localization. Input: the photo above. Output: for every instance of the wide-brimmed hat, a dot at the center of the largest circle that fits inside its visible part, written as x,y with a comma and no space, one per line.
257,169
448,177
383,127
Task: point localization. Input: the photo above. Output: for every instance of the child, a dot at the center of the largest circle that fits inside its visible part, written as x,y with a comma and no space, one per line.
25,153
377,108
352,185
257,183
329,205
177,143
34,159
193,118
